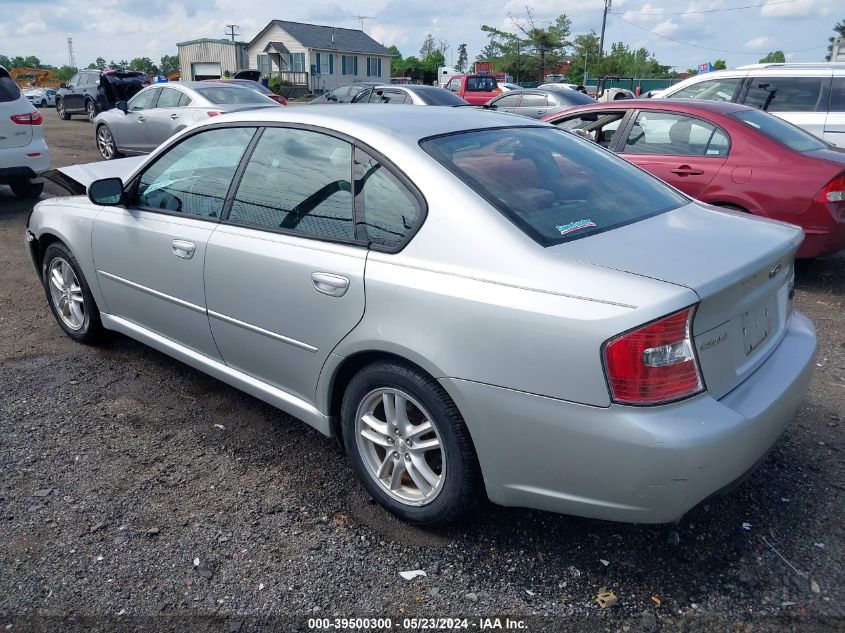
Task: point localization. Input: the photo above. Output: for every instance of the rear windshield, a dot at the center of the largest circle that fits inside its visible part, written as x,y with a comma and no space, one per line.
231,94
481,84
551,184
783,132
440,97
9,90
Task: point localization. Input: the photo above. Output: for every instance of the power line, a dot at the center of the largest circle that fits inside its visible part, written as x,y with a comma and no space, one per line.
707,48
748,6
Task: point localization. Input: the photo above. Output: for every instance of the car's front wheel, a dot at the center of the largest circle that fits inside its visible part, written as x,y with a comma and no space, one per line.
25,188
106,143
43,103
408,444
60,109
69,296
90,110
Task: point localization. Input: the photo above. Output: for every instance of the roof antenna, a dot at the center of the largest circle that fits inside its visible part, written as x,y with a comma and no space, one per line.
362,18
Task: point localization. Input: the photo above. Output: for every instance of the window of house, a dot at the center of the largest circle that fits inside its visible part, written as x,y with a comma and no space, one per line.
263,64
297,180
349,64
373,67
297,62
325,64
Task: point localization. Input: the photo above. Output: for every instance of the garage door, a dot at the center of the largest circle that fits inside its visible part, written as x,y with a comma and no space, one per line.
205,70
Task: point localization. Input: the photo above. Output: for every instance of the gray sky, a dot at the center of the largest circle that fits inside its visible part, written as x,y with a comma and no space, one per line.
123,29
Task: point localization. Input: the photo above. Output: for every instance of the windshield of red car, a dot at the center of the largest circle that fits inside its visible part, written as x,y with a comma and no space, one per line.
553,185
782,131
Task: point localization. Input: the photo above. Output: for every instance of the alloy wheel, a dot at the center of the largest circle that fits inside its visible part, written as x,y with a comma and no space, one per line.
105,143
90,111
66,293
400,446
61,108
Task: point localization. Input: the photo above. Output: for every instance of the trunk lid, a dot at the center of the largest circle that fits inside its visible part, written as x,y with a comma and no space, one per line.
740,267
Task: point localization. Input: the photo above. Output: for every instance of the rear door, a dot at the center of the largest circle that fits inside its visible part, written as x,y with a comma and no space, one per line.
532,105
284,272
687,152
163,120
12,102
132,132
150,254
507,103
800,97
834,127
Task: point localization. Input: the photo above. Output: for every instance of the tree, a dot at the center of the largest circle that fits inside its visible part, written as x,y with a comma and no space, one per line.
428,46
65,72
5,62
144,64
99,64
169,64
720,64
773,58
528,45
461,64
839,29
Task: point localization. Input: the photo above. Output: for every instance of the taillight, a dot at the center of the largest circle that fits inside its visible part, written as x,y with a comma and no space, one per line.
834,191
214,113
654,363
30,118
279,99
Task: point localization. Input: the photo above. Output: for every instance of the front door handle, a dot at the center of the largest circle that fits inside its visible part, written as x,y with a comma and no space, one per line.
183,248
686,170
141,119
331,285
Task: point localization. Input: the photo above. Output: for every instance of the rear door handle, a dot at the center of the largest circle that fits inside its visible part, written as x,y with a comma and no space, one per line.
174,116
183,248
331,285
686,170
141,119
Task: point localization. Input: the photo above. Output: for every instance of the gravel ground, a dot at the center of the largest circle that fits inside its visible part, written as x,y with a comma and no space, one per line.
137,493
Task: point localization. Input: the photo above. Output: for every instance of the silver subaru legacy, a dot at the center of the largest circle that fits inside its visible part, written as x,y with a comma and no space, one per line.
470,302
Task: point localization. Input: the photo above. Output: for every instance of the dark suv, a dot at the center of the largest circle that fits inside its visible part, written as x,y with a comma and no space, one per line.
92,91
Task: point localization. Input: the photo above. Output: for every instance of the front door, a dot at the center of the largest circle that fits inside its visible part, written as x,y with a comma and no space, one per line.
685,151
150,255
72,98
284,274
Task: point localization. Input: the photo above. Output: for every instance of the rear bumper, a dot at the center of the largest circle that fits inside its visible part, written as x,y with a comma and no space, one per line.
633,464
15,163
824,234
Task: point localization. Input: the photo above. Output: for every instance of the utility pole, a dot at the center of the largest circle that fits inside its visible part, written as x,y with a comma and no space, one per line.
231,32
607,4
361,18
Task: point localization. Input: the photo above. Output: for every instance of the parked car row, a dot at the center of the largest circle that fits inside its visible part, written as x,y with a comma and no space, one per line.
472,303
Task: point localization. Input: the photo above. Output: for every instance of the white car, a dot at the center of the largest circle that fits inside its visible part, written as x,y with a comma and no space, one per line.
558,85
41,97
23,151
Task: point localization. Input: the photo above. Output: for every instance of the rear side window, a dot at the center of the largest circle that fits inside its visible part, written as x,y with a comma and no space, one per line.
184,100
783,132
788,94
297,180
9,90
387,210
169,98
837,95
552,185
533,100
710,90
671,134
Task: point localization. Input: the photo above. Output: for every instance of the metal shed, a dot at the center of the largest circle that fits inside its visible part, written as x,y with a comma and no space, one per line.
209,58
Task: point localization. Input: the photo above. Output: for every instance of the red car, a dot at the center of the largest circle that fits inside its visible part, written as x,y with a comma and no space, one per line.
728,155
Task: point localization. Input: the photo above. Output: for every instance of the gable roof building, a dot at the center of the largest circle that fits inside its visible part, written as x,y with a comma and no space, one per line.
317,56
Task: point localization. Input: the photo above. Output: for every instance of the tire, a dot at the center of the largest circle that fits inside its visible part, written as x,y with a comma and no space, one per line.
60,109
82,324
434,485
90,110
43,103
106,144
25,188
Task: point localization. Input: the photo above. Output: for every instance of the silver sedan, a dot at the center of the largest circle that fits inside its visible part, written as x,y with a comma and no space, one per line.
159,111
471,302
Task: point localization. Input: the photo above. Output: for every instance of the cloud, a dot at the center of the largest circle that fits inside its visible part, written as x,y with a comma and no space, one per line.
760,42
33,28
796,9
667,27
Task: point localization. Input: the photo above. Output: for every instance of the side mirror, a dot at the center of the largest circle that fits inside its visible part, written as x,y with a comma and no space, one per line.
122,106
107,192
62,85
490,106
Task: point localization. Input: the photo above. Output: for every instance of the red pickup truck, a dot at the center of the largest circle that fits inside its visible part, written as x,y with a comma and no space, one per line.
475,89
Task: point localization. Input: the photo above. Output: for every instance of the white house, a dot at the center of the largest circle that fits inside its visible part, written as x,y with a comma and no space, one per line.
318,57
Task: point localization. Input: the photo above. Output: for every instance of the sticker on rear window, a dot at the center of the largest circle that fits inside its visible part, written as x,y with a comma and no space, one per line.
574,226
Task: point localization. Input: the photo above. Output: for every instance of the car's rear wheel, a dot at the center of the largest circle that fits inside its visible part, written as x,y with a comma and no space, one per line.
25,188
69,296
408,444
90,110
106,143
60,108
43,103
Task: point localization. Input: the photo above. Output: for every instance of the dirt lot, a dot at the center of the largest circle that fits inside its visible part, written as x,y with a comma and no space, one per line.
121,467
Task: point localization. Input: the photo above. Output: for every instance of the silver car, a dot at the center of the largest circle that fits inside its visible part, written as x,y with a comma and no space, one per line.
159,111
470,302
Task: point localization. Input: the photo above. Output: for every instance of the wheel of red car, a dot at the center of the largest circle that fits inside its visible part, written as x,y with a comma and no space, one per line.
60,108
90,110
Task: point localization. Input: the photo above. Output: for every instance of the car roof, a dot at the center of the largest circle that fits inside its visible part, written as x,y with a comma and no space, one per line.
375,124
676,105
